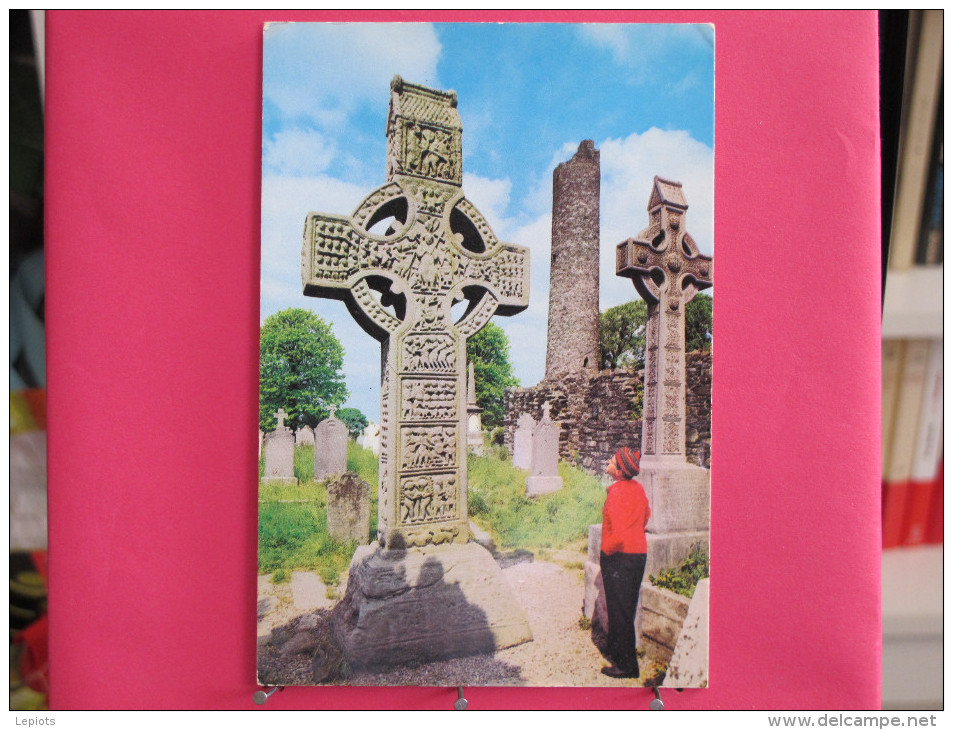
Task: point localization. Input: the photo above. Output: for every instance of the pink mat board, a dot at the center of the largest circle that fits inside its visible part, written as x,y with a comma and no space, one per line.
152,240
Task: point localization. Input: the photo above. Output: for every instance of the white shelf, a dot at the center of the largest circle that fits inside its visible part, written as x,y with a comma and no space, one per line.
912,603
913,303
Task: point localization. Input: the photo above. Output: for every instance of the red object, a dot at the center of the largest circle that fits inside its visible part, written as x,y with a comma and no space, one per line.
624,516
935,525
895,503
153,157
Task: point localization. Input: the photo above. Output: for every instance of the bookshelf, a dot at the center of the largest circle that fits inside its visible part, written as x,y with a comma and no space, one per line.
911,122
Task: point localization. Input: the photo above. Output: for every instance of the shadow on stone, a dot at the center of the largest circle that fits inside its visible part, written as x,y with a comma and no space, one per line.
406,607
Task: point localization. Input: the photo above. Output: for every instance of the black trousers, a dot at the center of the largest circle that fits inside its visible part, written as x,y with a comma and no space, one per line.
622,577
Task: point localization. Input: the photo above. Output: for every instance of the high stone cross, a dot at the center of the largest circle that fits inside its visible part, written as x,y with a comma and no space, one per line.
411,250
667,269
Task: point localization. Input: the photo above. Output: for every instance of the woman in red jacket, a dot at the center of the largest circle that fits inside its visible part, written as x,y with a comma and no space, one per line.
622,559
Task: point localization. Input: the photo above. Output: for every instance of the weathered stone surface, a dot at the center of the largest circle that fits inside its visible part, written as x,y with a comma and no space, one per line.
400,287
425,604
304,436
544,467
442,597
659,621
573,340
279,447
594,598
679,497
689,664
349,508
523,442
668,549
330,448
665,250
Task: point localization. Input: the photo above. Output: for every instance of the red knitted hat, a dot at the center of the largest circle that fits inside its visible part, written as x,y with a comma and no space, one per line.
628,461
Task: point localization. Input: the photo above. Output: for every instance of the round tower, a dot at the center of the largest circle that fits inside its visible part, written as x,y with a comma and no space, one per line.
573,338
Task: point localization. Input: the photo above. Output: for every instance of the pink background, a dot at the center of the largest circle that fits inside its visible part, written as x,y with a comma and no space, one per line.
153,154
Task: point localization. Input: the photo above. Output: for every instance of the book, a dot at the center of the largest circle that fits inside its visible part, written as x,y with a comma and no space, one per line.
930,244
902,447
892,359
917,138
927,452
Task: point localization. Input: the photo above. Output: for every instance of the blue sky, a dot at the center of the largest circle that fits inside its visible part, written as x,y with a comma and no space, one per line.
528,95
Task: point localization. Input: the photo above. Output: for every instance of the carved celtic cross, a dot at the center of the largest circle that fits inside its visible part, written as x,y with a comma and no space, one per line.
667,269
410,251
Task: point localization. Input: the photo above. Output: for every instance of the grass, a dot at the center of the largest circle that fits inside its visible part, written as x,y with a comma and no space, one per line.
292,528
684,577
498,503
293,522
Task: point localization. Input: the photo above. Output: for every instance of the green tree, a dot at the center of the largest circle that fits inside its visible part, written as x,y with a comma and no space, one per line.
355,421
489,351
698,323
622,336
300,369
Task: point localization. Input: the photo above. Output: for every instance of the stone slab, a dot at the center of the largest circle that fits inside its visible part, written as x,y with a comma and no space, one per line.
536,486
595,543
679,497
659,621
349,508
689,664
594,597
426,604
670,549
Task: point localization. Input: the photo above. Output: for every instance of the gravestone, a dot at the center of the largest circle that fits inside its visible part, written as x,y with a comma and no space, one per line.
474,422
668,269
279,448
370,438
304,436
523,441
544,467
330,448
421,591
349,508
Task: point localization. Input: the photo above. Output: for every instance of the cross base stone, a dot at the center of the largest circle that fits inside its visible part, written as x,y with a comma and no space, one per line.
536,486
668,549
426,604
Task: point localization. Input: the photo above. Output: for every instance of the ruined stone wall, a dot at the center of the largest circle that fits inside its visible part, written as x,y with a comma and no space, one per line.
596,413
573,338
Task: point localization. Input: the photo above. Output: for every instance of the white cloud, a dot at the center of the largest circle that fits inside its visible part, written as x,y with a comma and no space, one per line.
297,152
333,67
491,198
611,37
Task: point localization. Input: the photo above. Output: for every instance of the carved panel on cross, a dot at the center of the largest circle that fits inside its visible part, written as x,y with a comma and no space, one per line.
429,399
433,353
428,447
428,498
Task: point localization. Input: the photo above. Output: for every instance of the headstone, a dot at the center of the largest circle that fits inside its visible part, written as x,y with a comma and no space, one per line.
349,508
330,448
400,286
304,436
544,467
474,422
371,438
523,441
279,448
668,269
